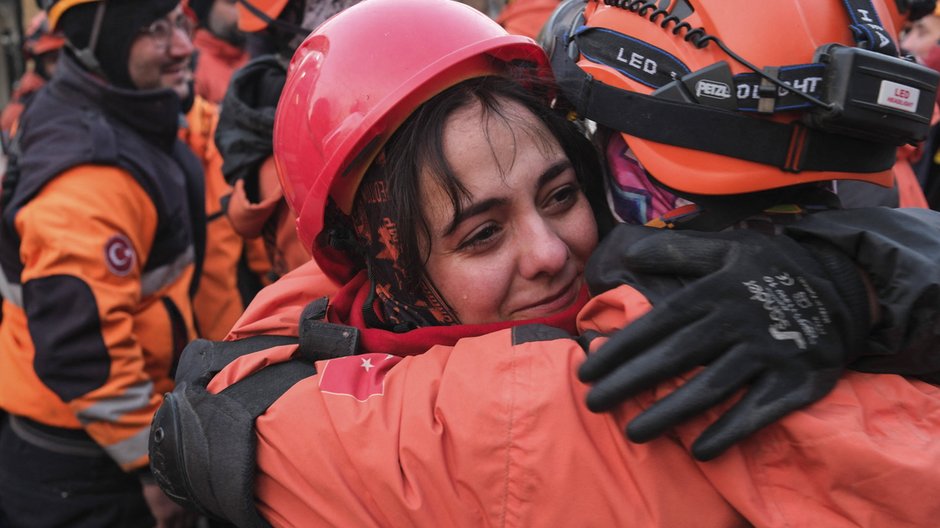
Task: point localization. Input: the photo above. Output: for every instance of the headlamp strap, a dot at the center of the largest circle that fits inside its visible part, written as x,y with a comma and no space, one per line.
712,86
86,55
867,29
791,147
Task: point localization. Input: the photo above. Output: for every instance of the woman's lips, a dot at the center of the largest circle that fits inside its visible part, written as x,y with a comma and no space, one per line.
553,303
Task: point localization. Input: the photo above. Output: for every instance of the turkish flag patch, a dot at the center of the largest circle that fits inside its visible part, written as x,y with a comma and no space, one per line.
360,376
119,255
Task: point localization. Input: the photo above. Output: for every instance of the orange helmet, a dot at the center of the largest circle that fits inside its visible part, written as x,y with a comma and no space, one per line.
352,83
255,15
715,97
57,8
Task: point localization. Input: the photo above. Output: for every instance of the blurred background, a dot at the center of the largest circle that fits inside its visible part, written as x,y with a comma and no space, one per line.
14,17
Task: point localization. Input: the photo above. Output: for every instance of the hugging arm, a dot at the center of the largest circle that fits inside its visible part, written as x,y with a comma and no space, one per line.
899,251
781,317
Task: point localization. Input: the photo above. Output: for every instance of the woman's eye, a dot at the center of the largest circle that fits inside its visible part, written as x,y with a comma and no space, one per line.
563,197
480,238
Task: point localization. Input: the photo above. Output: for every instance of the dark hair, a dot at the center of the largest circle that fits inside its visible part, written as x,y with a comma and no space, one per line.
417,147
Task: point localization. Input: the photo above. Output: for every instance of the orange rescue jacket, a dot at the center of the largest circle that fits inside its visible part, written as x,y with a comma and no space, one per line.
493,431
135,325
103,228
269,220
218,301
216,63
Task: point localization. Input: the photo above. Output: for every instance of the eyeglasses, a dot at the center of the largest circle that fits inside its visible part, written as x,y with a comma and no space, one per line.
161,30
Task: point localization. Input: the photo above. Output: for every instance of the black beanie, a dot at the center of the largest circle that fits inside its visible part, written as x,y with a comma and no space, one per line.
202,8
123,21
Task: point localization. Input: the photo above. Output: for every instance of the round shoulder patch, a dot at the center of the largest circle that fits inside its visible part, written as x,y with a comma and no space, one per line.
119,255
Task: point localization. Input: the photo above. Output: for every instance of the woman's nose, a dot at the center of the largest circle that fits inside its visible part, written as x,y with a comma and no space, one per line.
542,250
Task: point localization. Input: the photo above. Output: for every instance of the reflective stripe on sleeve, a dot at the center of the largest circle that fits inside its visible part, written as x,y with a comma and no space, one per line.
112,409
11,292
156,279
128,451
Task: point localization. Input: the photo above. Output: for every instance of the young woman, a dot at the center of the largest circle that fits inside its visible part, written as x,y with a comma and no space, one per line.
443,201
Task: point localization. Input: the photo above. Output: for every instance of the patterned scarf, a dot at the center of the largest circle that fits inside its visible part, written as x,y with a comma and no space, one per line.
634,198
396,306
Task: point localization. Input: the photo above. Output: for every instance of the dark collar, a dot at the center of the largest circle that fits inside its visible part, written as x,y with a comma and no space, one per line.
154,114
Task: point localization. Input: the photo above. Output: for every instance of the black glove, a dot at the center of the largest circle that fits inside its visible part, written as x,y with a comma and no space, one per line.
779,317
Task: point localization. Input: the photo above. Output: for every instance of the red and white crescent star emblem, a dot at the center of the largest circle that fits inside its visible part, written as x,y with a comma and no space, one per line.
360,376
119,255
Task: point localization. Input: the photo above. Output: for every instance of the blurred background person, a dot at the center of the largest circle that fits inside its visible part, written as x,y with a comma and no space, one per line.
233,269
920,39
104,226
41,51
920,36
257,208
220,46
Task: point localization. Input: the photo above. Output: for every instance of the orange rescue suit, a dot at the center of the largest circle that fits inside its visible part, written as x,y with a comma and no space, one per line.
494,432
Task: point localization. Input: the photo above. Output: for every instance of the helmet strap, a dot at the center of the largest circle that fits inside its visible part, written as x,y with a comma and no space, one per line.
87,55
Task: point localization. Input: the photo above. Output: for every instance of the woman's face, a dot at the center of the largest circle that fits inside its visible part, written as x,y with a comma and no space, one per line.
517,250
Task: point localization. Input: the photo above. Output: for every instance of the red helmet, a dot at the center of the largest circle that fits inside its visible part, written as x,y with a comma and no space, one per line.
353,82
690,84
39,39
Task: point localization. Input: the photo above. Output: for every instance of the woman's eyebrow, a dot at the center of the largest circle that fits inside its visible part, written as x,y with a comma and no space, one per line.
472,210
552,172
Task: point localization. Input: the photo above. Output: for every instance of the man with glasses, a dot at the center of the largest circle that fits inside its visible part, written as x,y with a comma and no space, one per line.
103,233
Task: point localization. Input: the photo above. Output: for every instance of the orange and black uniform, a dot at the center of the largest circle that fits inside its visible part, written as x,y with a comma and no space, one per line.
103,229
234,268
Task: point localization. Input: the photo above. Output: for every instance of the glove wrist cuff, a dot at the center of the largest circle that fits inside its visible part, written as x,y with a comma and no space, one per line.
847,280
